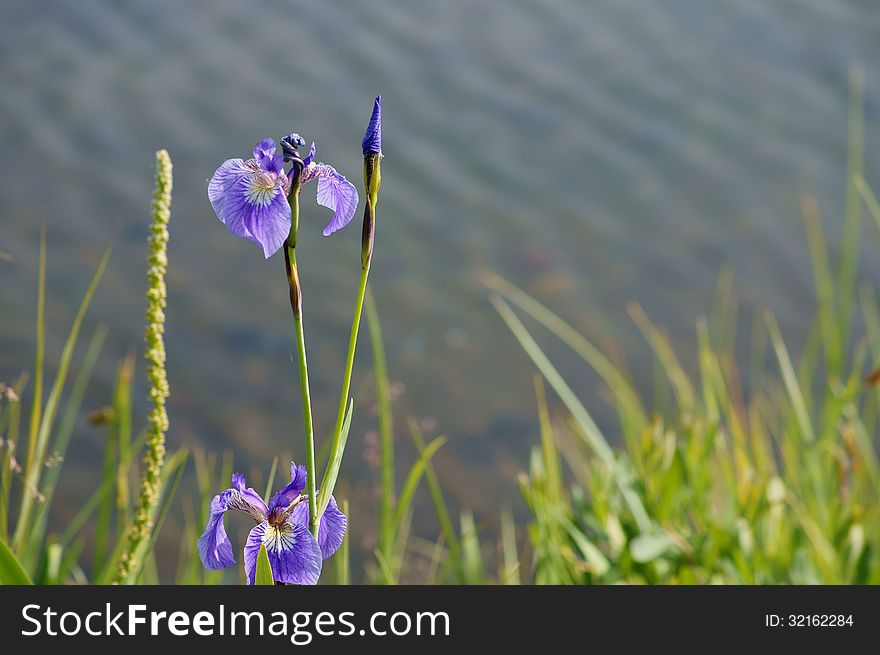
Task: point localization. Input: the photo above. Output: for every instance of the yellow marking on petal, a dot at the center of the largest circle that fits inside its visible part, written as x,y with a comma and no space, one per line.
261,189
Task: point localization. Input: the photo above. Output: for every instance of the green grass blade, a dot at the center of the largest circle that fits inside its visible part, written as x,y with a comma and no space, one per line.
342,558
32,474
172,473
510,574
869,198
123,420
684,391
37,406
271,481
386,437
263,575
81,518
12,416
407,492
110,473
11,571
65,430
824,281
552,468
332,472
790,380
472,552
849,255
590,429
631,412
440,507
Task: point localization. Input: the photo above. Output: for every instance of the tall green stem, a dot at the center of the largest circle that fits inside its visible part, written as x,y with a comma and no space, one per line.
366,258
296,307
349,360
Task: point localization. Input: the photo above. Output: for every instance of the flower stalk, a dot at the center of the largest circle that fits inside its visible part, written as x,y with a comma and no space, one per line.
154,456
372,150
296,308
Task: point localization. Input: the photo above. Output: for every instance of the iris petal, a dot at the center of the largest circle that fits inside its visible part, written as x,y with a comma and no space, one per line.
288,493
309,157
253,502
331,529
337,194
219,193
215,549
264,153
294,554
252,203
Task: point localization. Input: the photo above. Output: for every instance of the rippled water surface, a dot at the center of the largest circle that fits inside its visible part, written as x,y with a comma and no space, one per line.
594,152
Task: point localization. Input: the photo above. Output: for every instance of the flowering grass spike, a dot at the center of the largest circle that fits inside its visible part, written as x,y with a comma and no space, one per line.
154,456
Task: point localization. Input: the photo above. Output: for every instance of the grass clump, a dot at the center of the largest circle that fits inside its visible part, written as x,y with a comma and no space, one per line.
758,475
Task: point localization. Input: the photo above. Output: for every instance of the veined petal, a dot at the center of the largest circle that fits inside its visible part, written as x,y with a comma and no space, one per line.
219,188
252,203
293,553
335,193
251,499
264,154
331,529
289,492
215,549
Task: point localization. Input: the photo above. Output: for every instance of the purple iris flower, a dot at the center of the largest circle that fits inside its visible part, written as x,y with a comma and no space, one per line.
282,526
250,197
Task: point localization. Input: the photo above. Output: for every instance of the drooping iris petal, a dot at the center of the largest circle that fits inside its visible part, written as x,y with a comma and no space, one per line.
252,202
289,492
335,193
331,528
264,154
294,554
215,549
372,142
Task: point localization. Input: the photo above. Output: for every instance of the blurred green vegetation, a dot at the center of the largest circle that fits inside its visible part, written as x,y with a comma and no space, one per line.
758,475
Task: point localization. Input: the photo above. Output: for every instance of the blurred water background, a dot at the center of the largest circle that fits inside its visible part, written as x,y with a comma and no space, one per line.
595,153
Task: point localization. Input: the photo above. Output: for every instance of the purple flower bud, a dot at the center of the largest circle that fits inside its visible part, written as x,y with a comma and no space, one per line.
372,143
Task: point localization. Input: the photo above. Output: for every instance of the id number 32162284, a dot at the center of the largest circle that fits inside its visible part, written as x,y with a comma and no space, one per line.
808,620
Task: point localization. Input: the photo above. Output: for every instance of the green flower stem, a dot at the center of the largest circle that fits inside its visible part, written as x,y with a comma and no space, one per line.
296,307
349,366
366,259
